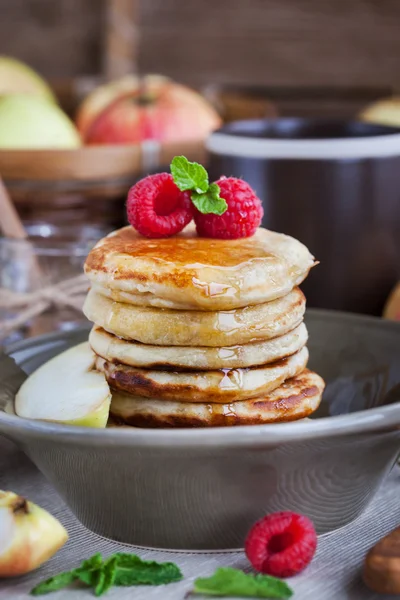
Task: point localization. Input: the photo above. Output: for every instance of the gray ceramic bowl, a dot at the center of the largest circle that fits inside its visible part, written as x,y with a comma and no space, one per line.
202,489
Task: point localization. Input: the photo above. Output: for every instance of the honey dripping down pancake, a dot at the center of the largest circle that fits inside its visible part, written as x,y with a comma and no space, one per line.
296,399
167,327
117,350
221,386
190,272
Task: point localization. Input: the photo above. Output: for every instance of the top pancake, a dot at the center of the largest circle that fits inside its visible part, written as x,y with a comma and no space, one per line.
189,272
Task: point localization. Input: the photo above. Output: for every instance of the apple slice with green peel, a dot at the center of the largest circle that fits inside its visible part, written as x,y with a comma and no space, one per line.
29,535
67,390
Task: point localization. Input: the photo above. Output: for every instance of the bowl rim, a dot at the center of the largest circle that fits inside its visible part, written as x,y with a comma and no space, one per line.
236,139
379,419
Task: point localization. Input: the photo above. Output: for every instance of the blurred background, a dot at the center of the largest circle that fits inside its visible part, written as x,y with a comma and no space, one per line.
310,57
97,112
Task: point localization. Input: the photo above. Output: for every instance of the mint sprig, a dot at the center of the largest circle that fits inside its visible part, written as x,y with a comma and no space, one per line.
120,569
192,177
189,175
227,581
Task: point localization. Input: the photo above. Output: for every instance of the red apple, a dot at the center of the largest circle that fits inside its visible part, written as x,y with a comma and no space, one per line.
130,110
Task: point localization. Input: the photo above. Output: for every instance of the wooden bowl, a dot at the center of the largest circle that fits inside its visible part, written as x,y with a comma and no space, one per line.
89,183
93,163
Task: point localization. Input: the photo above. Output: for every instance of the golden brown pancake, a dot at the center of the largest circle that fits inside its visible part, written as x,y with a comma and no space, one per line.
135,354
222,386
166,327
189,272
117,350
296,399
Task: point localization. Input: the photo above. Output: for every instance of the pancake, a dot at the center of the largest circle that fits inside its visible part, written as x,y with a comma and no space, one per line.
117,350
166,327
116,423
222,386
189,272
296,399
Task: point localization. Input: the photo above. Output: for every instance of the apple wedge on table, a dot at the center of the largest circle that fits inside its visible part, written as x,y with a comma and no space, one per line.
67,390
29,535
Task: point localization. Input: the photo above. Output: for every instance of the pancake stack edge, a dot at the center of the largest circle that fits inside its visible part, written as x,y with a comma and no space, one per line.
201,333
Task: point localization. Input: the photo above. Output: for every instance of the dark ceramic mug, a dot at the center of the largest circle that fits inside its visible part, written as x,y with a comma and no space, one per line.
335,186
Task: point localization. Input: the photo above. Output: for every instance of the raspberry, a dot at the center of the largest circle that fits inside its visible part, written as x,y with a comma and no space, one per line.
157,208
242,217
281,544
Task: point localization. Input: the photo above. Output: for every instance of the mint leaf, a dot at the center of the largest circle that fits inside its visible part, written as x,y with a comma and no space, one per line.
232,582
54,583
107,577
210,202
87,573
132,570
189,175
90,578
89,570
93,562
100,579
119,569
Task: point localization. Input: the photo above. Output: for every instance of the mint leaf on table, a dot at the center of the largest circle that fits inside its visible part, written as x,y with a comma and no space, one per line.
100,583
132,570
120,569
192,177
90,577
93,562
189,175
54,583
227,581
105,577
211,201
89,570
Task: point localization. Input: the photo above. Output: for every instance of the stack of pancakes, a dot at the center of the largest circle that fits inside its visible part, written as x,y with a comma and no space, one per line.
194,332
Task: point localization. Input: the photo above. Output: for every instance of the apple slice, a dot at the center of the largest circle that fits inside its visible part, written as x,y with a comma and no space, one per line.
67,389
29,535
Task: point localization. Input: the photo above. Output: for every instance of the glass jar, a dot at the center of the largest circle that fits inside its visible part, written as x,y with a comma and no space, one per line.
50,256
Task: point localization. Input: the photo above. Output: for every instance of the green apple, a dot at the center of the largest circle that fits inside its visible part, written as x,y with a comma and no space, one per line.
30,122
67,389
383,112
29,535
17,78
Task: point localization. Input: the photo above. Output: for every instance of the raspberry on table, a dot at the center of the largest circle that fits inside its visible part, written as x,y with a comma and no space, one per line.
156,207
281,544
241,219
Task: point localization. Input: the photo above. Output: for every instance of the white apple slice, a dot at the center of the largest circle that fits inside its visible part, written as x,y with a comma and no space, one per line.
29,535
67,389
